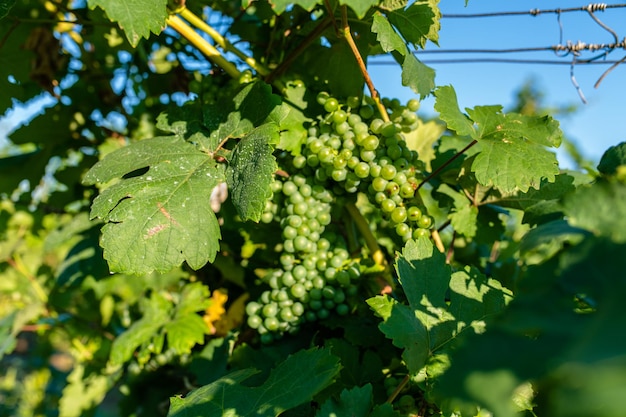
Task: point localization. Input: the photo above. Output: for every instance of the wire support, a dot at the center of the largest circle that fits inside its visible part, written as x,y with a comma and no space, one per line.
503,61
590,8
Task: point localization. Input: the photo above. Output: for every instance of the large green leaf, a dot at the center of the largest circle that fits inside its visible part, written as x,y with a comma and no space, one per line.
428,327
419,22
294,381
136,17
512,146
251,171
157,220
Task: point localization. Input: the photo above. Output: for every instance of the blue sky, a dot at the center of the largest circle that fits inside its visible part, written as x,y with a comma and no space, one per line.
597,124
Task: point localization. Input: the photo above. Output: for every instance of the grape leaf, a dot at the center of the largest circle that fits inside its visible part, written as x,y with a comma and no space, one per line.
84,391
137,18
512,146
464,216
512,164
187,328
448,107
613,158
157,220
156,312
355,402
250,108
419,22
419,77
251,170
294,381
279,6
291,119
543,204
360,7
428,326
387,37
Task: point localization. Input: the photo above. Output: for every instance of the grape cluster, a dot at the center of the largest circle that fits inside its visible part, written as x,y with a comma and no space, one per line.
348,150
317,275
352,152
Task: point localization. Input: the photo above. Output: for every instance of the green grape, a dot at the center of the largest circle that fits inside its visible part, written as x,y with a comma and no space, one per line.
342,309
413,105
353,102
297,309
299,161
322,97
414,213
362,170
388,172
379,184
398,215
254,321
253,308
323,313
271,323
425,222
328,292
288,279
286,314
402,229
366,156
366,112
342,278
270,310
417,233
331,104
298,290
407,191
340,116
370,143
339,174
388,205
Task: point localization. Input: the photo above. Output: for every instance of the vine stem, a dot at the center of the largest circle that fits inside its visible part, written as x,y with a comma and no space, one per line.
398,389
445,164
221,41
206,48
347,34
366,232
302,46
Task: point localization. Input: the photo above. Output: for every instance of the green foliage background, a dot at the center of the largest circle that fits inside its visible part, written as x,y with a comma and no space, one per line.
117,252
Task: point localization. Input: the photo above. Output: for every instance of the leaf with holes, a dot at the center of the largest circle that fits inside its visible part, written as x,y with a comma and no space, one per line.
157,220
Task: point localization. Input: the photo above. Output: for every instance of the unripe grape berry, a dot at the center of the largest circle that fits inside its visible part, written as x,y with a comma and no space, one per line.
331,104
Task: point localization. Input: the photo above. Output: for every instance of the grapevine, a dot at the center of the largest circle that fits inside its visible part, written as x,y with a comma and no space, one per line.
217,202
